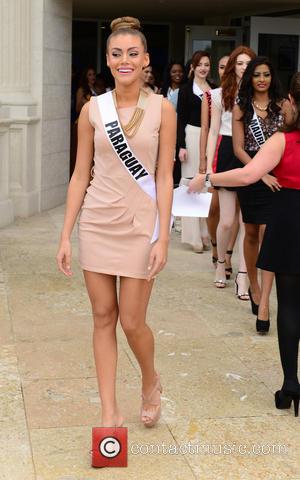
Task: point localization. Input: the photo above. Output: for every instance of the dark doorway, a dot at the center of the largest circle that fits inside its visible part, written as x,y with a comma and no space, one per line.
283,52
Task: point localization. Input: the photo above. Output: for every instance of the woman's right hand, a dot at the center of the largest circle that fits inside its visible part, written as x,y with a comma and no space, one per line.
63,257
271,182
182,155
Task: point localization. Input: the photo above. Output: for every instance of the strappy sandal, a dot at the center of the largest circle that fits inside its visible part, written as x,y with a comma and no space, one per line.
150,417
213,258
220,283
244,295
228,270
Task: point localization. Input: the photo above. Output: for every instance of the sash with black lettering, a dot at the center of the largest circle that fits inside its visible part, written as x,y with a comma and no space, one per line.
131,163
256,130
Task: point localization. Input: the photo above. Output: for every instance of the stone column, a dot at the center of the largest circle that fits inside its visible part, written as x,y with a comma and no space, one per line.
17,104
35,77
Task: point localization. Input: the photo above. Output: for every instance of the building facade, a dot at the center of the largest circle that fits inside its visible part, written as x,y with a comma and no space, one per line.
35,82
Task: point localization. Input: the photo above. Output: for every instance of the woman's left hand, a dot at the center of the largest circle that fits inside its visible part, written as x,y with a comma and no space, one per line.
197,183
158,258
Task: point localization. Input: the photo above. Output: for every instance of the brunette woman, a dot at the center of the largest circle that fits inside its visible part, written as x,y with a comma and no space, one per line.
130,135
259,113
279,154
221,123
194,230
86,88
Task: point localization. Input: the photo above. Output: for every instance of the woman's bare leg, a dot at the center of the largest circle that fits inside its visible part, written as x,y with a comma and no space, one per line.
103,296
267,279
233,236
133,302
213,220
251,248
242,277
227,202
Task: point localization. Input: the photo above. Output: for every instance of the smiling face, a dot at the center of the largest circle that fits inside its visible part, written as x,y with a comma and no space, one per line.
202,69
176,74
261,79
126,58
241,64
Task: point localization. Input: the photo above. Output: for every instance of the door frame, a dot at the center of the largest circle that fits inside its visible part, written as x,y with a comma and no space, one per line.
210,32
273,26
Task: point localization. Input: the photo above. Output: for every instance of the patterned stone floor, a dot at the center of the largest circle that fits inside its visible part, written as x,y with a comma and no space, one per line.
218,375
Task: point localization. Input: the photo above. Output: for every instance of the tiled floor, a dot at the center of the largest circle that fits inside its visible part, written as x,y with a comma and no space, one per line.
218,374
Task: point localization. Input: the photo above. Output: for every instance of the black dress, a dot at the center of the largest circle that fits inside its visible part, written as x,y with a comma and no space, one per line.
256,200
280,250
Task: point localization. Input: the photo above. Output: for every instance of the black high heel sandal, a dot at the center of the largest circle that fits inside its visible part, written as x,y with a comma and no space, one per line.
228,270
254,306
262,326
244,296
284,399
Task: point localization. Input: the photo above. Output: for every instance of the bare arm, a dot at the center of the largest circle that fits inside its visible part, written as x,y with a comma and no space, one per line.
164,186
214,130
238,136
204,133
77,187
80,100
264,161
287,112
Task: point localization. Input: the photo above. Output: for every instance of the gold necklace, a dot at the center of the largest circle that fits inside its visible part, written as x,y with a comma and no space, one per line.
259,107
134,123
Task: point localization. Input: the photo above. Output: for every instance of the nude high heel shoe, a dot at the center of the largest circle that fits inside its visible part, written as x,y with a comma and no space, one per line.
150,417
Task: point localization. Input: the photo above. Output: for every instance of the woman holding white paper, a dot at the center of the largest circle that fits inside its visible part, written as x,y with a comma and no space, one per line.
130,135
194,230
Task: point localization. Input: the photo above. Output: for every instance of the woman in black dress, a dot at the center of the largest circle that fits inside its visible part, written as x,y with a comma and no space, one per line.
259,113
279,154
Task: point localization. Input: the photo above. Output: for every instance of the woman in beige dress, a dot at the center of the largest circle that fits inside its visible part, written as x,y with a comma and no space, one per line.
118,218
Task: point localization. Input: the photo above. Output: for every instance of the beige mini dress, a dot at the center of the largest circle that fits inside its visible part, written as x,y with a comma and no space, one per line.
117,218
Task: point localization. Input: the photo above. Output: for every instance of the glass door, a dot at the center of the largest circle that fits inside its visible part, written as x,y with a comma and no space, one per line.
278,39
218,41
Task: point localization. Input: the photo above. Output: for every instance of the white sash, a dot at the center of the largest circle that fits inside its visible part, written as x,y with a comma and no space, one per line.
117,139
256,130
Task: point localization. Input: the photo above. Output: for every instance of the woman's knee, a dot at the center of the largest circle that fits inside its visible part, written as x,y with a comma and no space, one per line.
226,224
251,234
105,315
131,324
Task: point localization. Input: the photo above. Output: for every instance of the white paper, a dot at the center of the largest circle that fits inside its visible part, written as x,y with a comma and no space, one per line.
190,204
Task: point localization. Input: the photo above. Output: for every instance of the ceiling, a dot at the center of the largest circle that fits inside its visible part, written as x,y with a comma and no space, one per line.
178,10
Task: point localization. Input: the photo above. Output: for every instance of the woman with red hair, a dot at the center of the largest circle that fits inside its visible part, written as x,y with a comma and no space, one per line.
221,123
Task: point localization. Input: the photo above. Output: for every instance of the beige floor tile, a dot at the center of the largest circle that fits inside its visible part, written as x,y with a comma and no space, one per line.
261,355
218,375
241,448
15,454
63,454
61,402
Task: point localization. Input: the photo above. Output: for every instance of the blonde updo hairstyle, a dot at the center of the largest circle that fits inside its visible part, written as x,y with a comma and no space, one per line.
127,26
